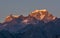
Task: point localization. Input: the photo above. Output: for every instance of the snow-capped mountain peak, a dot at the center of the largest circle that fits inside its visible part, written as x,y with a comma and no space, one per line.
43,15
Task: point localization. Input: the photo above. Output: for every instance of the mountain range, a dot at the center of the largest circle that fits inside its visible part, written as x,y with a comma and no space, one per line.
38,24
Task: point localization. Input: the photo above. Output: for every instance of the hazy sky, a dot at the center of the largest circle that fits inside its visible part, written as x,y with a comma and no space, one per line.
24,7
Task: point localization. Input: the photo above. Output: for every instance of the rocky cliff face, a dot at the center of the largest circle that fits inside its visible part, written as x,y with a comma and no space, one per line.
38,24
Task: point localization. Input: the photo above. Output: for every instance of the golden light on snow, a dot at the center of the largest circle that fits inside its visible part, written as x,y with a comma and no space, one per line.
25,21
11,17
15,16
42,15
8,18
44,10
38,14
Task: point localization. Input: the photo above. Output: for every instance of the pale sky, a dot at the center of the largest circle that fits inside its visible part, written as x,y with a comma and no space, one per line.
24,7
